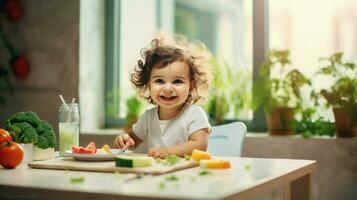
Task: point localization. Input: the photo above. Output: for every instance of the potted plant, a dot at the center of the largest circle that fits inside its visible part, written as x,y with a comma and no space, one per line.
36,135
310,125
217,106
342,95
230,93
278,90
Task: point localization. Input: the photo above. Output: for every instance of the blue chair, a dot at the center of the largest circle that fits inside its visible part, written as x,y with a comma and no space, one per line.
227,139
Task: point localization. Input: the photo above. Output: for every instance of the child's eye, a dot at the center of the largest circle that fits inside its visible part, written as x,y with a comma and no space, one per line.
159,81
177,81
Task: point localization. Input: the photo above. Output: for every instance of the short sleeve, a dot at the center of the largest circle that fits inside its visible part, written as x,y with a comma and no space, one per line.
140,128
197,120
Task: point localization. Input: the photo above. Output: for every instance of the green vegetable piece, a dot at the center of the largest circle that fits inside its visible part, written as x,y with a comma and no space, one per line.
172,178
187,157
29,116
162,185
28,133
79,179
133,161
46,134
172,159
205,172
27,127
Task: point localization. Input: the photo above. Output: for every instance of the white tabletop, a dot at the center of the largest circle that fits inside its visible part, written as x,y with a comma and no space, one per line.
247,176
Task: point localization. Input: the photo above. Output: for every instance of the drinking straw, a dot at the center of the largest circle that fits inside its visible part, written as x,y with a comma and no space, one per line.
65,104
63,101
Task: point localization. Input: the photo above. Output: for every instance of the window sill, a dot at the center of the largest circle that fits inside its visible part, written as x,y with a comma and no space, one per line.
266,135
102,132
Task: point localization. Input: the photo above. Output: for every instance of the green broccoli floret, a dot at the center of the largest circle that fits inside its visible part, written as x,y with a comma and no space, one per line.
46,135
23,132
27,127
29,117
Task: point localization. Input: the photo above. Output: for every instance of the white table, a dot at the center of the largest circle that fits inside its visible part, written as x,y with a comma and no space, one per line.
246,178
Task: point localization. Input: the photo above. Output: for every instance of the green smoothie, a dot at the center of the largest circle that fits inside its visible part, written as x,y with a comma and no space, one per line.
68,136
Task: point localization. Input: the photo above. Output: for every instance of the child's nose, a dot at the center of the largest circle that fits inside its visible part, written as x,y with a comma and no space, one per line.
168,88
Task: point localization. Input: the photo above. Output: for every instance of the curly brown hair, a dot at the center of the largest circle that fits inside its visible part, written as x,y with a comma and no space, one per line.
165,50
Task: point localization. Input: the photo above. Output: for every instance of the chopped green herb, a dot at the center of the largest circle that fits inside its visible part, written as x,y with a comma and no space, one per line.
162,185
172,159
79,179
205,172
247,167
187,157
172,178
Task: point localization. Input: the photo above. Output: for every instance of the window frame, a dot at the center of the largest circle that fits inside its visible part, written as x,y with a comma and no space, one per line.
260,47
112,42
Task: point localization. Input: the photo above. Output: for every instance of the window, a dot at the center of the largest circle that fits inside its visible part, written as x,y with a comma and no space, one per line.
237,32
311,31
223,26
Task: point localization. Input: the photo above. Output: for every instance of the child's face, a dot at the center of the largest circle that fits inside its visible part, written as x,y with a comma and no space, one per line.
170,85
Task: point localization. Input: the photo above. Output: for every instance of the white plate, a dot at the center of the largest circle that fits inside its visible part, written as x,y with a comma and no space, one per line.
99,156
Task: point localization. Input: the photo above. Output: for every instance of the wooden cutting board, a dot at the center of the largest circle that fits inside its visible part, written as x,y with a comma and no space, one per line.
68,163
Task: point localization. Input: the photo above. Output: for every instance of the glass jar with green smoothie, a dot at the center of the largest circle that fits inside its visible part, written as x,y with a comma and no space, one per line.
68,127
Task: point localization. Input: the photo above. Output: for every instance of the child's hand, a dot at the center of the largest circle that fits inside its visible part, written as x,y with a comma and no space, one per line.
158,152
123,141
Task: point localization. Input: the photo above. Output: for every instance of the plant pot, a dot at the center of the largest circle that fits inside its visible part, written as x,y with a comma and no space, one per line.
343,123
43,154
280,121
28,152
33,153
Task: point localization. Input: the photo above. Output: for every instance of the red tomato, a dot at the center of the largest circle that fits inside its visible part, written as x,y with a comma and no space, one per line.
4,136
11,155
92,147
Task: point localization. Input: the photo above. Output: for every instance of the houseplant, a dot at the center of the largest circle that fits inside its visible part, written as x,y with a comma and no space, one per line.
278,91
342,95
230,93
36,135
310,125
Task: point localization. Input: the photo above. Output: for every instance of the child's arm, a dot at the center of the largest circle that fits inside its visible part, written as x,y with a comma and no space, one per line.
198,140
126,140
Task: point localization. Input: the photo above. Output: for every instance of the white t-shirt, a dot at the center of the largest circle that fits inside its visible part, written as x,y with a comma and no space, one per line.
164,133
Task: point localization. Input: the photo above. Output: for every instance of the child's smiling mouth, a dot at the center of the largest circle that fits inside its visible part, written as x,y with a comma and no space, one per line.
167,98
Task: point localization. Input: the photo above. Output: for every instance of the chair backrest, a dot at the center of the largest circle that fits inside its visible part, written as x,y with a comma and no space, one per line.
227,139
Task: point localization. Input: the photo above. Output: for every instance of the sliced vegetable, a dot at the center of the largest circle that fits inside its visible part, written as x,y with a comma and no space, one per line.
204,173
200,155
107,149
81,150
172,159
215,164
133,161
78,179
92,147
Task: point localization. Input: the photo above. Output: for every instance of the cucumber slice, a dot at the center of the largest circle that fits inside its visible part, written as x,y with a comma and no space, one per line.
133,161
